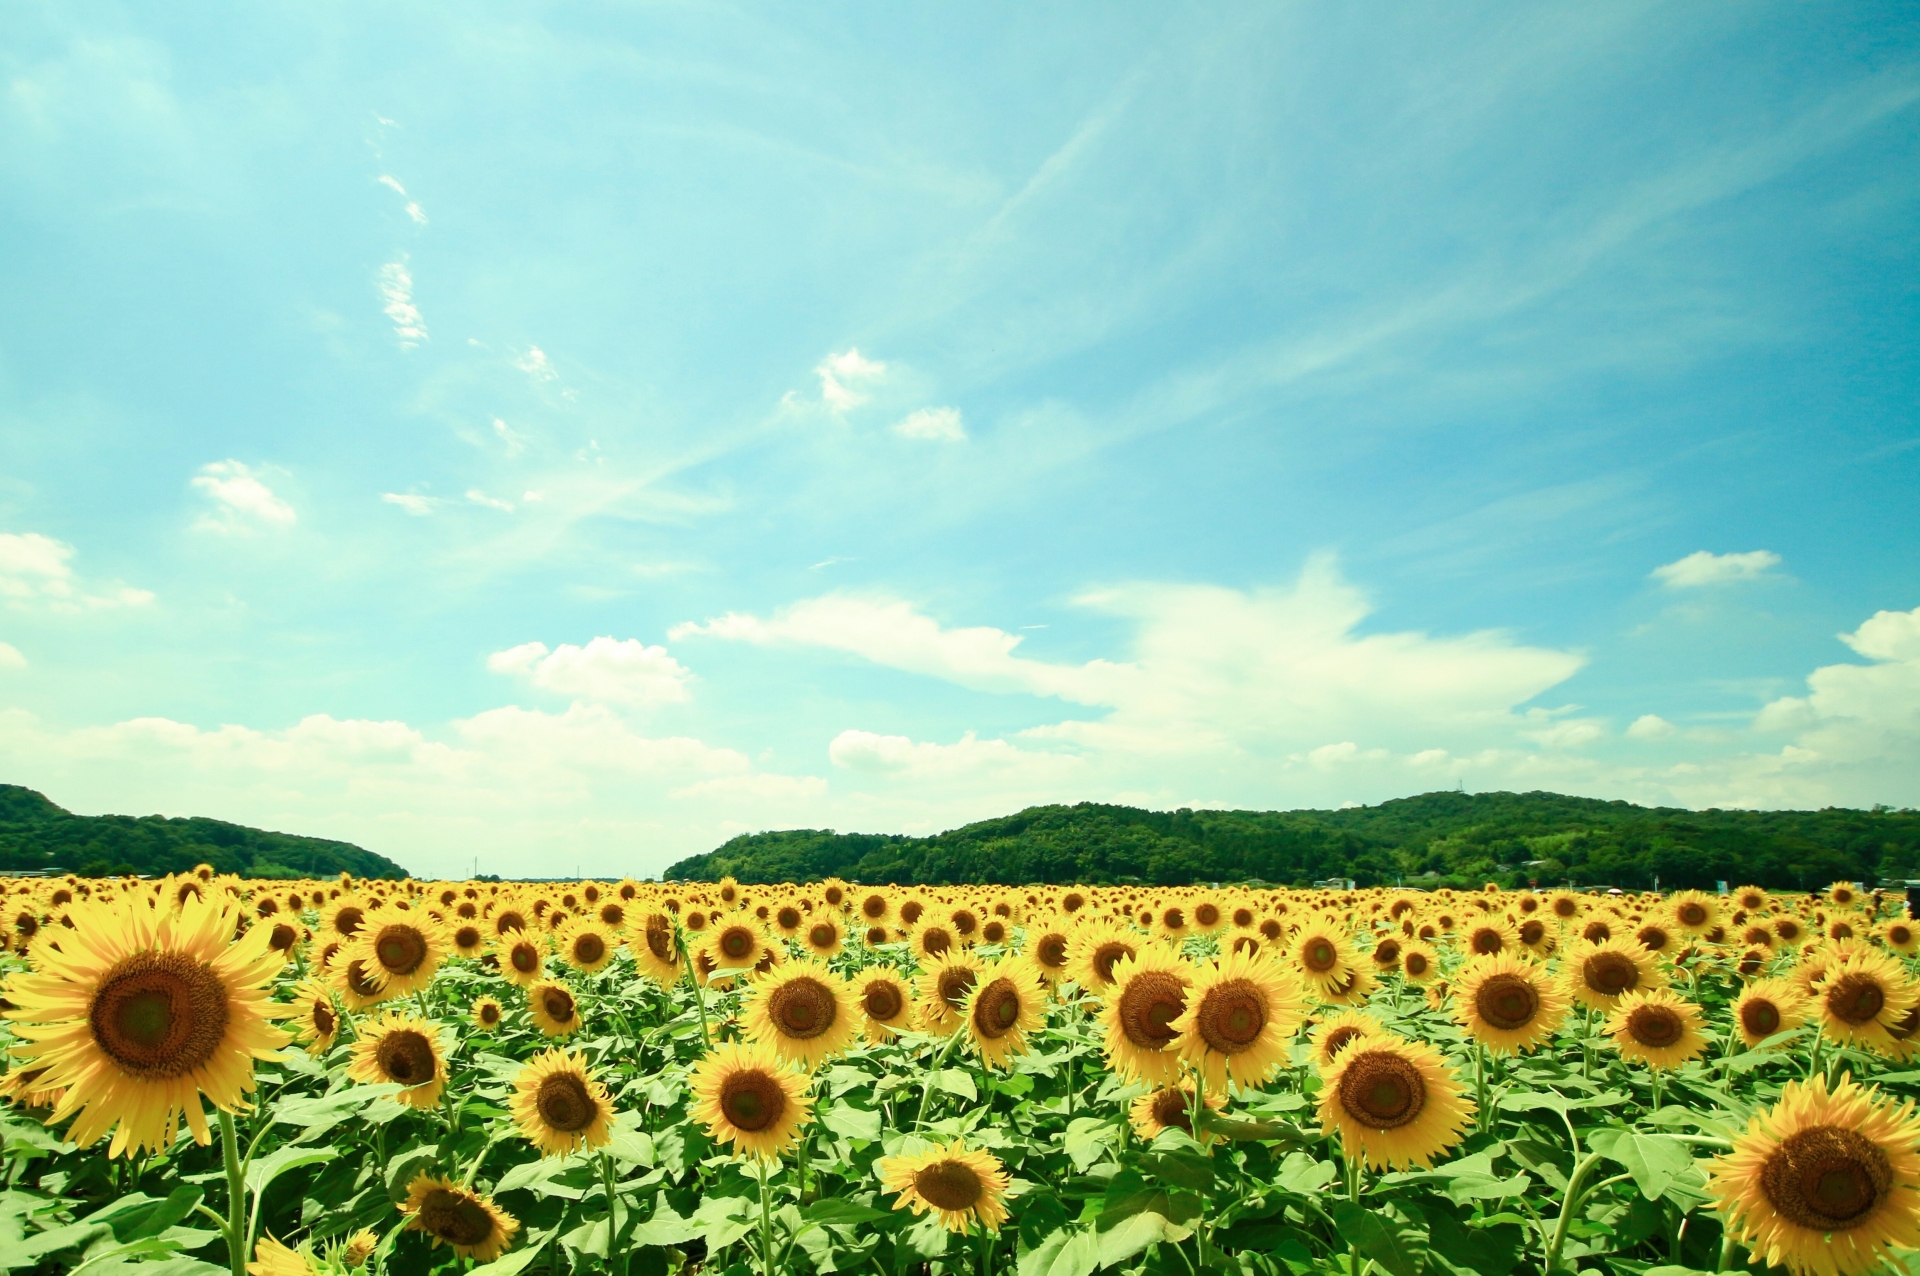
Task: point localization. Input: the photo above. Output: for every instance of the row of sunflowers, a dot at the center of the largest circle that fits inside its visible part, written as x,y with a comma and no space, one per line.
212,1075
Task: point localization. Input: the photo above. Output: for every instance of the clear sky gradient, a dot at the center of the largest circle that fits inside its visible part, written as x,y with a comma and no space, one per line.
562,437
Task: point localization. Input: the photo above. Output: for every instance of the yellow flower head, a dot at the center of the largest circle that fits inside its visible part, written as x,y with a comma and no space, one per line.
1508,1004
803,1012
468,1222
1048,947
1150,991
944,989
402,1050
1766,1007
559,1106
1393,1102
555,1009
402,950
1006,1005
1338,1031
1861,995
1169,1107
1599,974
747,1096
958,1186
1097,946
1240,1016
1655,1027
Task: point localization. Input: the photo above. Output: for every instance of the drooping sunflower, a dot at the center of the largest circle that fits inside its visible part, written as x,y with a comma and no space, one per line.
1336,1032
404,1050
886,1003
1168,1107
745,1095
523,958
1393,1102
1508,1004
1006,1004
317,1021
467,1221
1239,1020
1598,975
1150,991
1096,947
140,1011
587,945
1766,1007
803,1012
1656,1027
1861,995
558,1105
555,1010
1823,1183
487,1013
944,987
959,1186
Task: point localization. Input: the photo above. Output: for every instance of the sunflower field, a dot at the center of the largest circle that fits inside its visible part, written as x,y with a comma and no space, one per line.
209,1075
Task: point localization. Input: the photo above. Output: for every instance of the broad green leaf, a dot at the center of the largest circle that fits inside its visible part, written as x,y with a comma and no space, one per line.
1304,1174
838,1211
854,1123
1067,1252
265,1169
956,1081
1087,1138
1489,1251
179,1265
1391,1236
1134,1233
327,1110
564,1177
402,1169
725,1219
665,1227
1656,1161
516,1260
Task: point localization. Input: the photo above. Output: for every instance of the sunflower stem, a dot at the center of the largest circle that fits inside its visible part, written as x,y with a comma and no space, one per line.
236,1195
1575,1183
1480,1085
939,1062
613,1212
693,976
766,1222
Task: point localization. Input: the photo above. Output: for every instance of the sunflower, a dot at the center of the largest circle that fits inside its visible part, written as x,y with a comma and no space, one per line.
1694,912
1861,995
1048,945
21,1086
1150,991
1823,1183
1393,1102
873,907
1323,954
1598,975
1655,1027
556,1011
803,1012
587,946
467,939
401,950
487,1014
960,1187
343,917
1351,989
558,1105
746,1096
1168,1107
467,1221
1419,962
733,945
358,1248
271,1258
943,990
658,955
139,1012
1901,935
933,940
1767,1007
405,1050
317,1020
1239,1020
1489,937
886,1002
1006,1004
1844,894
1336,1032
1096,947
523,959
1508,1004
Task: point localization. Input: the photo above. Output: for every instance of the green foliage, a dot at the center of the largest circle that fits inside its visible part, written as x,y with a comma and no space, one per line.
1435,839
37,835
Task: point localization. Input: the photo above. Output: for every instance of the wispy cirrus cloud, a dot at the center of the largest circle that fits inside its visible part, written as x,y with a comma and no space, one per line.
396,302
1703,567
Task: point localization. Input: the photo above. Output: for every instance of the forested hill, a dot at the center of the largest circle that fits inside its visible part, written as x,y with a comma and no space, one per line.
1461,839
35,834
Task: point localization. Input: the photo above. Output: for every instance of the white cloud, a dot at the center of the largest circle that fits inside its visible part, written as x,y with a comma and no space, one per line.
414,210
10,657
901,755
932,423
1343,753
536,365
35,573
758,786
396,296
605,671
412,503
1703,568
1888,635
479,497
841,374
515,442
242,501
1650,726
1549,732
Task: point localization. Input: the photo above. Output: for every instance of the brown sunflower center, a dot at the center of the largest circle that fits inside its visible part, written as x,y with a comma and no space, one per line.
964,920
1170,1108
467,937
736,942
1319,956
283,937
1487,941
1655,1026
802,1008
994,932
823,935
405,1056
1206,914
660,941
1231,1016
1825,1178
349,919
911,911
949,1185
873,907
788,917
489,1013
1760,1017
1174,918
882,1000
1532,931
558,1003
565,1103
1597,932
935,940
1507,1002
1106,954
1899,934
525,958
455,1217
1693,914
1386,953
1787,929
1652,938
751,1100
955,983
400,948
360,980
1149,1004
996,1009
1382,1090
1416,964
1856,998
1339,1039
1565,909
1610,974
1051,951
589,948
324,1019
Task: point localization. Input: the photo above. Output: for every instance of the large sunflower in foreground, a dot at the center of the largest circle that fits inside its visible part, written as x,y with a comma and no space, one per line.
1006,1004
467,1221
558,1105
1766,1007
139,1012
1149,992
1823,1183
1393,1102
747,1096
960,1187
1239,1020
886,1003
402,1050
803,1011
1508,1004
1657,1028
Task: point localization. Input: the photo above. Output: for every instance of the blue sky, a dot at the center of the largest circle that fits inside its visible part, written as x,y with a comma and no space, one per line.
567,436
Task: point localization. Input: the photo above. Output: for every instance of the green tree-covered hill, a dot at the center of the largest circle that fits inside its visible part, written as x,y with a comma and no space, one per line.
1433,839
35,834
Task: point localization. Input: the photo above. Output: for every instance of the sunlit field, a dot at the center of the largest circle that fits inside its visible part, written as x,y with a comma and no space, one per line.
215,1075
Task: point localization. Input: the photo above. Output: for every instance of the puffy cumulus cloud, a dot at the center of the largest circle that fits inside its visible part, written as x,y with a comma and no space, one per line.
240,500
1704,568
1650,726
942,424
967,757
1859,714
10,657
605,671
36,573
845,379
